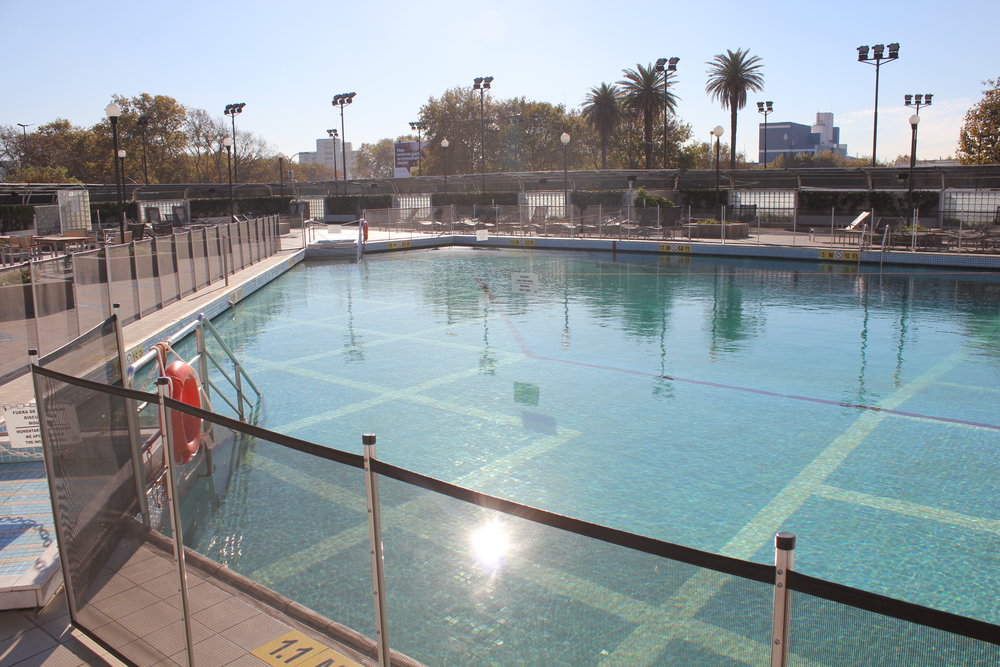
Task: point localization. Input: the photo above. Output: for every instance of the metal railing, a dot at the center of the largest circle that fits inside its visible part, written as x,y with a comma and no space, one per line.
581,580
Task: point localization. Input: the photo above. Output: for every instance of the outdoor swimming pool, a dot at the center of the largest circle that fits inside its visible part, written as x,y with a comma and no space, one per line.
706,402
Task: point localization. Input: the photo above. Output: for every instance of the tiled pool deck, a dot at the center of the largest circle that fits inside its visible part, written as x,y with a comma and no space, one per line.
29,569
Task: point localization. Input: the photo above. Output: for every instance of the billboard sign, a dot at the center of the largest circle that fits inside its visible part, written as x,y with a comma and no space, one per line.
406,158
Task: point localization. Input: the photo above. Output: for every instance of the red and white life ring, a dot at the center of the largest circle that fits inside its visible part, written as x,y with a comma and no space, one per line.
186,429
364,228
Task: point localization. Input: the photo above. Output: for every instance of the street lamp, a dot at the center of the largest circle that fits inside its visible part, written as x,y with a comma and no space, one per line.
564,138
228,143
341,100
482,84
333,134
717,133
765,108
914,121
231,111
113,111
142,122
665,65
444,147
877,58
419,127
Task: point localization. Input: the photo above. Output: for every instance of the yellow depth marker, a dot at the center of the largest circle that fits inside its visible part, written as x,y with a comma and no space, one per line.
839,255
300,650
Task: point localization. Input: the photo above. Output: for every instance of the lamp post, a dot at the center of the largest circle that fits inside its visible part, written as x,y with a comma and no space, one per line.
121,161
341,100
482,84
232,110
665,65
564,138
717,133
142,122
877,58
444,147
765,108
113,111
419,127
228,143
333,134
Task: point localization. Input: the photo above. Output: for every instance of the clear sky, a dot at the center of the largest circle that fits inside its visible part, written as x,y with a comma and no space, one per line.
286,59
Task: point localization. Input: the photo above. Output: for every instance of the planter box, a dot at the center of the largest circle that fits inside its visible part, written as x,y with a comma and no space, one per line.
734,230
284,227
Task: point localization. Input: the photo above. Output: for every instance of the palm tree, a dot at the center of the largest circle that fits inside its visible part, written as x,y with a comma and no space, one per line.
602,109
644,90
730,77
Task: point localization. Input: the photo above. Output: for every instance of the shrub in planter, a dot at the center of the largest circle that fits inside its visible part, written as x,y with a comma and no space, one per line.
16,218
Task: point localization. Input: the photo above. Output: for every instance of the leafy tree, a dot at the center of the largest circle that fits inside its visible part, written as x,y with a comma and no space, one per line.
375,160
642,93
979,139
36,174
602,110
730,77
701,155
818,160
165,136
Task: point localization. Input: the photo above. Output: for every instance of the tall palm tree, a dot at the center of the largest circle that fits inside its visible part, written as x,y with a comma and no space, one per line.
645,91
730,77
602,109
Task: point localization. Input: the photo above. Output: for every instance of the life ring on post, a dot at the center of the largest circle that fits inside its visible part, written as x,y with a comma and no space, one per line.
186,428
364,229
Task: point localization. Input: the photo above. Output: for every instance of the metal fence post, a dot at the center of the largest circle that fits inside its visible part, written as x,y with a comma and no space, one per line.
131,420
375,541
162,387
784,557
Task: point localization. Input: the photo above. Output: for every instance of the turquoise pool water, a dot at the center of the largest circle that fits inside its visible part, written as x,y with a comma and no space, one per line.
707,402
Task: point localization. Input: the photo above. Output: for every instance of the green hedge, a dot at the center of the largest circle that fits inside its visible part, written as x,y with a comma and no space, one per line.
108,211
16,218
474,199
218,208
354,204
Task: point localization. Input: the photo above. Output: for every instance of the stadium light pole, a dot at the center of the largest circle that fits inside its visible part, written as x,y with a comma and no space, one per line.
341,100
419,127
665,65
877,58
24,141
232,110
717,133
333,134
765,108
482,84
113,111
228,143
281,173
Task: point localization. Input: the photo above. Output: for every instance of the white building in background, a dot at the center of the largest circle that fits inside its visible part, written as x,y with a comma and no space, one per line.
329,154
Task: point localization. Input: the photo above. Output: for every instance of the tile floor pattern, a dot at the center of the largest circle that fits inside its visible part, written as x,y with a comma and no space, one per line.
26,528
134,604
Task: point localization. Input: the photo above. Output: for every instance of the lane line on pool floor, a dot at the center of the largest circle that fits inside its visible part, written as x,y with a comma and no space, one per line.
528,352
760,530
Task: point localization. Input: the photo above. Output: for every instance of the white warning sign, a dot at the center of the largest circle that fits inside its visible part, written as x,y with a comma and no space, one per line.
524,283
22,426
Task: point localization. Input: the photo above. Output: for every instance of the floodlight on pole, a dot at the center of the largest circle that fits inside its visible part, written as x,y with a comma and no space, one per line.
227,142
665,65
341,100
333,134
877,57
419,127
232,110
765,108
482,84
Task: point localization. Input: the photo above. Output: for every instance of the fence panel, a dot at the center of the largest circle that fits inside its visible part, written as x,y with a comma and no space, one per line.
17,320
90,277
166,269
185,265
146,280
121,280
214,258
199,260
55,305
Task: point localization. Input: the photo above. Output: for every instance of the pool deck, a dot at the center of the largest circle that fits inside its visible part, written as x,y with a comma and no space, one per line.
30,577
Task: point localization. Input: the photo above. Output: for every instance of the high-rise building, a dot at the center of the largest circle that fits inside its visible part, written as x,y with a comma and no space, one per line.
787,138
328,154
